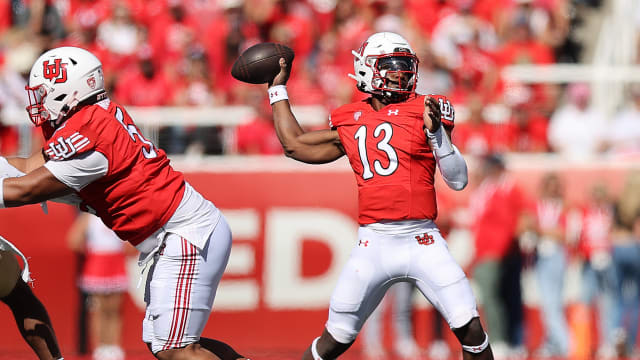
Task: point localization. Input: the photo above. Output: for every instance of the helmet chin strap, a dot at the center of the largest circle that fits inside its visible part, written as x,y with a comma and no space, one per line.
65,112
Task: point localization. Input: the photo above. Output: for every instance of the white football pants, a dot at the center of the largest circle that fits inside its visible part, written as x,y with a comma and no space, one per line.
412,251
180,288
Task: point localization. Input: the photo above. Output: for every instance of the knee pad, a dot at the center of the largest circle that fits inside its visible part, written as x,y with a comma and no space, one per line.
476,349
340,334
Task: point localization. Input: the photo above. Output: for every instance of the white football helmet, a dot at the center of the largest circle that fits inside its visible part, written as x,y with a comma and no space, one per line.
59,80
386,65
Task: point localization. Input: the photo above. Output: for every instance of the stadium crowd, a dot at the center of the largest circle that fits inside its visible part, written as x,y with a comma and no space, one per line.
179,53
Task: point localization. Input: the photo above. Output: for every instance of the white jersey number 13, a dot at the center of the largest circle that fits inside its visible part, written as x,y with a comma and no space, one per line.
382,144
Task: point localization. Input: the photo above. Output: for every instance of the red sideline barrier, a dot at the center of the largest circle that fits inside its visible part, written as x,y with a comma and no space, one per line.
292,231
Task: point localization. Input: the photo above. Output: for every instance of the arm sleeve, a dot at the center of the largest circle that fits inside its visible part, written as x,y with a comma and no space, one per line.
80,171
450,161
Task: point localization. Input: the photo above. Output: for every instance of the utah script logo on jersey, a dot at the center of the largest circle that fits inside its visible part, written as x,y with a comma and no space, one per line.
66,148
57,70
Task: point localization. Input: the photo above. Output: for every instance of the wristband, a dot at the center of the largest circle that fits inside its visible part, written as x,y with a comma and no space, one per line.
277,93
440,142
1,193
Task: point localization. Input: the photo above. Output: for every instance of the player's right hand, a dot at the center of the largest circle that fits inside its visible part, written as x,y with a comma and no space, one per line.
283,76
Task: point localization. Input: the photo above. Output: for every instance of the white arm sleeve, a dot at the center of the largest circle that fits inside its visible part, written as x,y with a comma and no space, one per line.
450,161
80,171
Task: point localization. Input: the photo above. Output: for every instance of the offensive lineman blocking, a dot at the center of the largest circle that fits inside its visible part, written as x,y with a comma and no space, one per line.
94,150
394,162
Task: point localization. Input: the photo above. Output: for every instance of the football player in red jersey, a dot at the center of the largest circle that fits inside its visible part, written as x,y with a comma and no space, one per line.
394,139
94,151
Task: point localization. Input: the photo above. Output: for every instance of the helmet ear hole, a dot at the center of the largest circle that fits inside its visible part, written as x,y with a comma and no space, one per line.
60,97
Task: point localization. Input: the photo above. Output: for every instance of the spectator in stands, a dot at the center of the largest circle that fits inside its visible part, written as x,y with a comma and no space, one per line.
626,260
496,206
459,29
526,130
105,281
521,47
330,71
119,34
224,39
581,121
152,88
172,34
258,136
434,79
42,19
623,135
548,230
85,13
473,135
194,88
294,27
598,273
400,298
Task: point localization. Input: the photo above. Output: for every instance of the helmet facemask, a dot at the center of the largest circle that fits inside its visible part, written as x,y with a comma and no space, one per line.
394,75
36,110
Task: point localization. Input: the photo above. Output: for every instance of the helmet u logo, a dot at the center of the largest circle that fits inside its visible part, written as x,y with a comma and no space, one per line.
57,71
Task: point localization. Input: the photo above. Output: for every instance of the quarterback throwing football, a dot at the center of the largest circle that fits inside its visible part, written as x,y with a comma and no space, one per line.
394,140
94,150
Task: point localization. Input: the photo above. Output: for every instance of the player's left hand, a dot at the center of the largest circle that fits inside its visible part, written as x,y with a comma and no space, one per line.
432,115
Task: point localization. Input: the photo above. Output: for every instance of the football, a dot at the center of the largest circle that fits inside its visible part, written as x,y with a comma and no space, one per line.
259,64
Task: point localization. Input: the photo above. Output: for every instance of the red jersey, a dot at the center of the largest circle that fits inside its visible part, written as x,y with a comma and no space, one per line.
391,158
595,236
140,191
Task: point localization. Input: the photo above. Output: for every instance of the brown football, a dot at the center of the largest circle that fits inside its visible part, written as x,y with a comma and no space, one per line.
259,64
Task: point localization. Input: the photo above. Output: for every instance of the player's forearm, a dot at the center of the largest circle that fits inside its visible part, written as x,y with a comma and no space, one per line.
450,162
35,187
315,147
286,124
26,165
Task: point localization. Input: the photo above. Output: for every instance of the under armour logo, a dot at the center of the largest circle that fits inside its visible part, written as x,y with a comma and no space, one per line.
66,148
393,112
425,239
363,243
275,93
356,115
